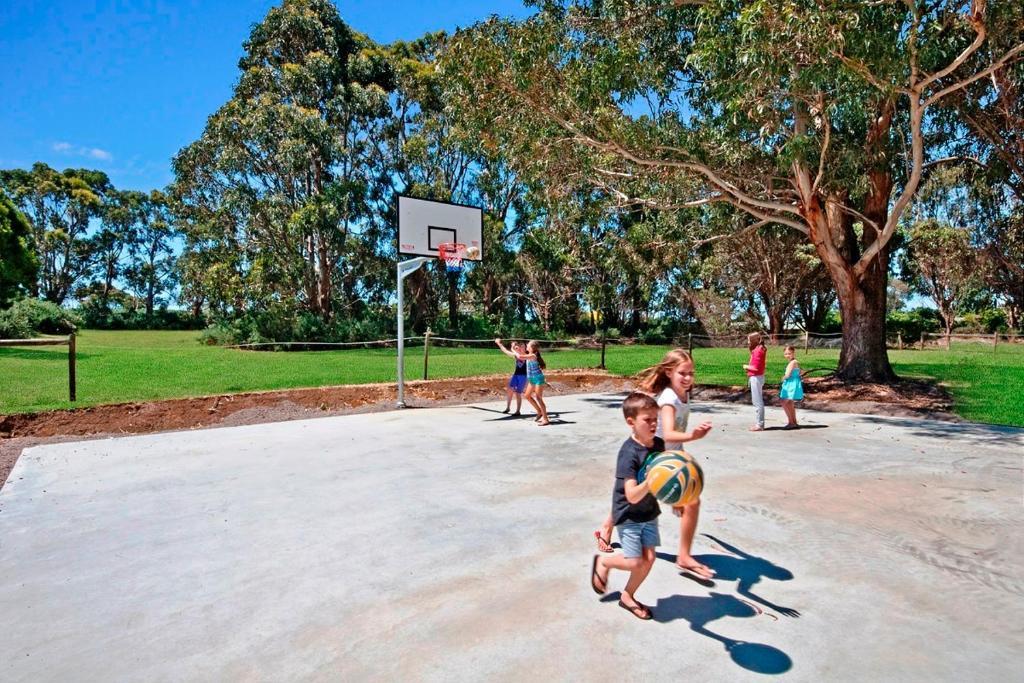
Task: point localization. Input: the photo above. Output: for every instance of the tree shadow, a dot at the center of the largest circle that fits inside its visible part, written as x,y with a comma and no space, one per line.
701,610
613,401
57,353
999,435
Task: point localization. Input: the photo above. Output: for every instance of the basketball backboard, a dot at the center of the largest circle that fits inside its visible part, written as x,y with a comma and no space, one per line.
423,225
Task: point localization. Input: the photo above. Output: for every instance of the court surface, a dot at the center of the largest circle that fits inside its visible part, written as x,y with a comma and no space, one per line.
455,544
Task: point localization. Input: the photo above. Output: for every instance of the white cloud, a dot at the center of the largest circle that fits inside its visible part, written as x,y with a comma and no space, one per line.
79,151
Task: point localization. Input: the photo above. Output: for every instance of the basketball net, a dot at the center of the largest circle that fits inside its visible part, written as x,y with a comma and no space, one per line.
452,254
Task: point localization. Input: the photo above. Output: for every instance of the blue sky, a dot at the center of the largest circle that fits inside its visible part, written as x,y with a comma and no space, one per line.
122,86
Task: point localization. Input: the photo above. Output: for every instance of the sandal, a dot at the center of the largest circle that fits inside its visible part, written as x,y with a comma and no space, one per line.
600,587
640,611
603,545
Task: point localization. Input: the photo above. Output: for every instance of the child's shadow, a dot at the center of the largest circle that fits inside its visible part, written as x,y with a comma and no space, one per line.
699,611
747,570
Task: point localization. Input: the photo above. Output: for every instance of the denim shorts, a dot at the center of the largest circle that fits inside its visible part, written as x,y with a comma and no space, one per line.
635,536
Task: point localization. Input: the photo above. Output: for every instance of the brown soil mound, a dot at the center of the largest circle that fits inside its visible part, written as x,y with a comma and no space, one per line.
906,398
914,399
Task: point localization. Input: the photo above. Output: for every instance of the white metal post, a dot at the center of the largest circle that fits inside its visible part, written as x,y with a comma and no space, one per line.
404,270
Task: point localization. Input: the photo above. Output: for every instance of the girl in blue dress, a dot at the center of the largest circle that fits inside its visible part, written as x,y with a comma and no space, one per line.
517,382
792,389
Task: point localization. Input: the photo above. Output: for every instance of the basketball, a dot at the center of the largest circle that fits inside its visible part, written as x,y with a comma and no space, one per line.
472,252
674,476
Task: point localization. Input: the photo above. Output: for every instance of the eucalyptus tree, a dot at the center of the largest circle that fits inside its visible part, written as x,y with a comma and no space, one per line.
773,268
118,219
281,170
946,266
18,263
808,114
59,205
150,269
422,153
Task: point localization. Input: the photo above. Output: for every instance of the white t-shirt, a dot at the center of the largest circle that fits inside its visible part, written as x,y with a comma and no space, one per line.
668,397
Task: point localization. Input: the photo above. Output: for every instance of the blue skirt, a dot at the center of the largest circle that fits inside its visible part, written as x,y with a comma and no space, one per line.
517,383
791,390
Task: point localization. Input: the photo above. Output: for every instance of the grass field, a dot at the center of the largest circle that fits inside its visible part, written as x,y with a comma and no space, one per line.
139,366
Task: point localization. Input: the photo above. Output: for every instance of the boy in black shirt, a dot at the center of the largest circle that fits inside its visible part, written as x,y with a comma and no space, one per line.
634,510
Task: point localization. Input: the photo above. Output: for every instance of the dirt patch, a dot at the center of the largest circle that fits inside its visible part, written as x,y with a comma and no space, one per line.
906,399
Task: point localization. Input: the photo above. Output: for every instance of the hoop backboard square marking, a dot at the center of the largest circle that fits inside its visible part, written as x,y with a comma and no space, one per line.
423,225
437,236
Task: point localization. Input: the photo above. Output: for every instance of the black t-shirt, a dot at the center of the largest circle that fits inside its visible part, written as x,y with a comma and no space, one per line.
631,458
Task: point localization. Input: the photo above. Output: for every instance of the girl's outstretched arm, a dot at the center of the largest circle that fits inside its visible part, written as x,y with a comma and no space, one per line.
510,354
668,432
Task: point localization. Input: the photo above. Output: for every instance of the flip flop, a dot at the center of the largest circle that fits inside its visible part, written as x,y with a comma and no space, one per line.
698,571
603,545
639,610
595,580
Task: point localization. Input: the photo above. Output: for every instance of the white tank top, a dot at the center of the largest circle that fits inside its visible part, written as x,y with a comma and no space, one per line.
668,397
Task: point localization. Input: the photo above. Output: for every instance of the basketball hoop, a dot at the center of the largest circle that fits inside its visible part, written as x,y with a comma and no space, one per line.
452,254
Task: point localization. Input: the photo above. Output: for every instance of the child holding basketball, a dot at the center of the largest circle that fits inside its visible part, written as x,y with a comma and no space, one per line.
670,382
517,382
634,510
792,389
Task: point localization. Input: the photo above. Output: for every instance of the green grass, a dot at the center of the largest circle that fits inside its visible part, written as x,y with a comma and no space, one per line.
139,366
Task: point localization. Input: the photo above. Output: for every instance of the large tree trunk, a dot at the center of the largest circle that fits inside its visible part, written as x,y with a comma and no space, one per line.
864,357
862,301
775,323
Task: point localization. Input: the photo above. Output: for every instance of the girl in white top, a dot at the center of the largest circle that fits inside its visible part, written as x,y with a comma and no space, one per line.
670,382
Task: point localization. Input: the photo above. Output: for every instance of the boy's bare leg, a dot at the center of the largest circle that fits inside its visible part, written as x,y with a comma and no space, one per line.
687,529
605,563
519,402
637,576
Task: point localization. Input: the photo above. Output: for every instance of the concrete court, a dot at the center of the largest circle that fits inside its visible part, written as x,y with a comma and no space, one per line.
455,544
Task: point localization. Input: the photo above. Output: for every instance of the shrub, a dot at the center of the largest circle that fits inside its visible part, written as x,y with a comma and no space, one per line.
910,324
29,317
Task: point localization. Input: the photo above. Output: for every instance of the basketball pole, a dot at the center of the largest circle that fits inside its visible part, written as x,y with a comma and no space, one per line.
404,270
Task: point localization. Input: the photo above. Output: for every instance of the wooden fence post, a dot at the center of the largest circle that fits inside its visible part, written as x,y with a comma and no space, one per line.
995,340
689,343
807,340
604,343
71,366
899,341
922,341
426,351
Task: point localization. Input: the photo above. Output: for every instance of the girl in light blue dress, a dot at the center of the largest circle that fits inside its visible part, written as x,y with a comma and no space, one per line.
792,389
